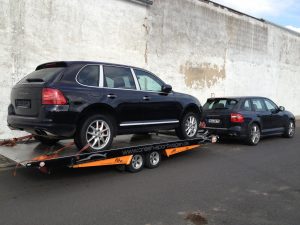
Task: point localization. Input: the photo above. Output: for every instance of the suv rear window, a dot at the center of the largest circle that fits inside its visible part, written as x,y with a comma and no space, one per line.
43,75
89,76
213,104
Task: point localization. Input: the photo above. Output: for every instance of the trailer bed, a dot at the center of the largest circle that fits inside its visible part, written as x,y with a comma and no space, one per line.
35,154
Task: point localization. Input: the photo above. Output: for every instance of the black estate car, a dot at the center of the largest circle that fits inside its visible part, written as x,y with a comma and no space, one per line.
94,101
247,118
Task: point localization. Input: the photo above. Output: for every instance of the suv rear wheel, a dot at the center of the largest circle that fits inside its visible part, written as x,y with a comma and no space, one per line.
189,126
96,130
253,134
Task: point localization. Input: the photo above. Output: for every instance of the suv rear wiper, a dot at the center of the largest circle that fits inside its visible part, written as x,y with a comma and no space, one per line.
35,80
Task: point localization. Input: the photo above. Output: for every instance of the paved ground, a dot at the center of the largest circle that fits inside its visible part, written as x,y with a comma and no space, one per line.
225,184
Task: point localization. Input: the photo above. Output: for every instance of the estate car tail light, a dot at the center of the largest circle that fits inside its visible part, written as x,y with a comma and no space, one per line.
236,118
51,96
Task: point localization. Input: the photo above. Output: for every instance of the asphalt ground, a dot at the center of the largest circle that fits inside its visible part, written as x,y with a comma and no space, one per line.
222,184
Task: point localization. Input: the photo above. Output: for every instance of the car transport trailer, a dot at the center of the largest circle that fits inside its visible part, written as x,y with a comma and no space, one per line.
132,151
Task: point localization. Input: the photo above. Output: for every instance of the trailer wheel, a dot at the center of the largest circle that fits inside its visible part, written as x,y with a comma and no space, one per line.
152,159
136,164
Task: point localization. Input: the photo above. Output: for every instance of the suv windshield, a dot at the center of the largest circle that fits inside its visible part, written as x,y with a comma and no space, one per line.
43,75
212,104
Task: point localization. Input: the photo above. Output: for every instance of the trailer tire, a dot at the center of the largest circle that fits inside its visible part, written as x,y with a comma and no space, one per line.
152,159
136,164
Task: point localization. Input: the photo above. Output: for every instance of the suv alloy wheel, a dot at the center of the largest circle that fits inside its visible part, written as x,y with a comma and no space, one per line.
97,131
189,126
253,134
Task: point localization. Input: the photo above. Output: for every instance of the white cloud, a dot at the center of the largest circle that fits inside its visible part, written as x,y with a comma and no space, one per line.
258,8
297,29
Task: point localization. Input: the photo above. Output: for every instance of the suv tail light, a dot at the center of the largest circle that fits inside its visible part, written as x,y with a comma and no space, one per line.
51,96
236,118
202,124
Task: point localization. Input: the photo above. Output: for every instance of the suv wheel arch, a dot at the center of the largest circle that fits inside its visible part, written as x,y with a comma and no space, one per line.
191,108
97,108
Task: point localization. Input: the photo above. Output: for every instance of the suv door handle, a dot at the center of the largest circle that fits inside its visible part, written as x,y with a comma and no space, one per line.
112,96
146,98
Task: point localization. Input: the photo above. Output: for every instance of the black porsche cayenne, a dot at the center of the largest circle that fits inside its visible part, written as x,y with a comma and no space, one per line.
247,118
94,101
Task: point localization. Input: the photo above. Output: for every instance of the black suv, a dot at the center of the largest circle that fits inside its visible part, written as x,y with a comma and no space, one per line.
247,118
94,101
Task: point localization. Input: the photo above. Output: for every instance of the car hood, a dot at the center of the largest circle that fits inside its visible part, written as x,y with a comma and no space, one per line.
190,98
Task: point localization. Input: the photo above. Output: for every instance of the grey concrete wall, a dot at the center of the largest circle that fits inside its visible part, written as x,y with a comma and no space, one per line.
196,47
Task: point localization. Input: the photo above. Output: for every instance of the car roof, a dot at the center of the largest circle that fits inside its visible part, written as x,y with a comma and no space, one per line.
69,63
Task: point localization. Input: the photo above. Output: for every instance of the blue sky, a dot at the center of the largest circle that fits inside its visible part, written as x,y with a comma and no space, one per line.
285,12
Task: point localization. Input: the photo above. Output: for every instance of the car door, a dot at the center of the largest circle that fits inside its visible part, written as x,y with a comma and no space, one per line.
263,115
121,92
155,105
276,118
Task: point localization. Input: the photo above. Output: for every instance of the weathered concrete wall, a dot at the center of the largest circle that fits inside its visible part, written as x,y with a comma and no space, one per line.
196,47
36,31
202,49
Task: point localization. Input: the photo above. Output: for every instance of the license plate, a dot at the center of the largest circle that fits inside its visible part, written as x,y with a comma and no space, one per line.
23,103
214,120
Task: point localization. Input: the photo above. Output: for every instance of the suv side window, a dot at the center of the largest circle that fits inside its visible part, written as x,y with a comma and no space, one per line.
258,105
147,81
118,77
271,106
246,105
89,76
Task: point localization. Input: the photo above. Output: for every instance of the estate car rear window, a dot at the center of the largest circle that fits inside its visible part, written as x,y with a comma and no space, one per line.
89,76
43,75
118,77
216,104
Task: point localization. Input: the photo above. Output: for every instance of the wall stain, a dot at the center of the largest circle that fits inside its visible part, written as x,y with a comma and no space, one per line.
146,26
202,75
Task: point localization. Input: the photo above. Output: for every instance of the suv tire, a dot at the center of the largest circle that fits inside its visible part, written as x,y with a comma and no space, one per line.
253,134
97,130
188,127
289,130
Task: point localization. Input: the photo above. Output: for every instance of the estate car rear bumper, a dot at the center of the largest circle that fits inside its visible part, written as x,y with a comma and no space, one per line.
235,131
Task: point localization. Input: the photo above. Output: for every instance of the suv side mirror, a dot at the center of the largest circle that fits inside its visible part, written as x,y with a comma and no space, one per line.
281,108
166,88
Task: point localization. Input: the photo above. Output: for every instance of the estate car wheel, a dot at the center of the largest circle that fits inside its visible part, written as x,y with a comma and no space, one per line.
253,134
136,164
290,129
189,126
97,131
152,159
46,140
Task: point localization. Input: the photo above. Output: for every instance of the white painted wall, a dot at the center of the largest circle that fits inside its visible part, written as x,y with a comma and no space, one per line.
196,47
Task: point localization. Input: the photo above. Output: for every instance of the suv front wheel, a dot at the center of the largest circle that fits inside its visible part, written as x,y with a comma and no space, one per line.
95,130
189,126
